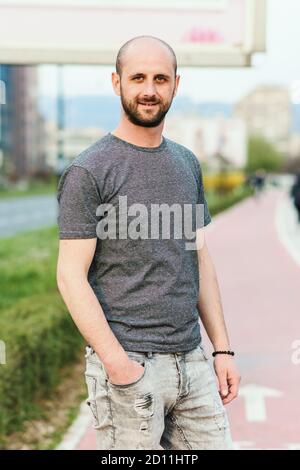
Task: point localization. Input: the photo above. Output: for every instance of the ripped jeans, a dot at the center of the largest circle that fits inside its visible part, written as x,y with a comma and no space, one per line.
174,405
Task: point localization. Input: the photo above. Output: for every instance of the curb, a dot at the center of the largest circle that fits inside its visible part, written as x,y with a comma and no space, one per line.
77,430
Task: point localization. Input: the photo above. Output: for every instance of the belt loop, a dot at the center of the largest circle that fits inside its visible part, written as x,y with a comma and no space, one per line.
149,354
88,351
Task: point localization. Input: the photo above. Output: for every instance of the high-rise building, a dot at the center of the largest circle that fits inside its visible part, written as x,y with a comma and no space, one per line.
210,137
267,113
22,133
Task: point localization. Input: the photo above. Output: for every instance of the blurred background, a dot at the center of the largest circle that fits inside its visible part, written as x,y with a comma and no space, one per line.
237,109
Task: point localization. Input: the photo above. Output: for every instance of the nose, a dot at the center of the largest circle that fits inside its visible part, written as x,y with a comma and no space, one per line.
150,89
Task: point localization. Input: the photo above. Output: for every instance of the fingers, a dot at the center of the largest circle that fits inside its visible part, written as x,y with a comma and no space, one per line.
228,380
233,391
223,386
229,398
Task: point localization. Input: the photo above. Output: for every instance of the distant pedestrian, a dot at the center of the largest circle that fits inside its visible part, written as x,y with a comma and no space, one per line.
257,182
295,194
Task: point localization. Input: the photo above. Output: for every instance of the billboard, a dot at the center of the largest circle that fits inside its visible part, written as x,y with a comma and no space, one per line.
202,32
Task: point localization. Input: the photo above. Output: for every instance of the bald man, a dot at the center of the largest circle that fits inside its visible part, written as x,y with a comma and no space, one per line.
130,274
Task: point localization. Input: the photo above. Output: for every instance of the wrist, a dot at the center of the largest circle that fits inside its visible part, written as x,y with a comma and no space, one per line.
222,347
115,362
223,353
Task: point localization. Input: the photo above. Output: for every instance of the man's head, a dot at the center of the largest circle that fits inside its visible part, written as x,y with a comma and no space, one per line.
146,79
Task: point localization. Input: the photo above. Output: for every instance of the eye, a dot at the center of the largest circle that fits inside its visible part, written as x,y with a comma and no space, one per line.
137,78
161,78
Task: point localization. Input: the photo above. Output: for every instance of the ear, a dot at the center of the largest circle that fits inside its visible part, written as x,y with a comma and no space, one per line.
116,82
177,79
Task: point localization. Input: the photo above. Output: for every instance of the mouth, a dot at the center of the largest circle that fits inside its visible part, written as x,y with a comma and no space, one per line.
148,105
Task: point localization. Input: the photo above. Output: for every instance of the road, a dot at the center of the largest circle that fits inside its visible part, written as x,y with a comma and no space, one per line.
21,214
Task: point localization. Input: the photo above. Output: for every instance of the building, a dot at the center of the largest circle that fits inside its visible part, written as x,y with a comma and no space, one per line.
210,138
267,113
22,126
75,140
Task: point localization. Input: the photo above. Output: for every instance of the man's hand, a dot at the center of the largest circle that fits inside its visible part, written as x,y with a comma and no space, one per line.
228,377
126,375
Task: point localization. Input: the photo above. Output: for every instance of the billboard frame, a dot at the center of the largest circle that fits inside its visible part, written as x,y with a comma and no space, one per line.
193,55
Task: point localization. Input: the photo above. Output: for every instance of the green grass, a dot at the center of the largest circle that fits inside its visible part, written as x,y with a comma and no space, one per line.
28,265
57,436
35,325
39,334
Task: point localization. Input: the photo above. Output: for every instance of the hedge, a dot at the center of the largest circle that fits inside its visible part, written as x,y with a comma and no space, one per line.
40,338
226,182
220,202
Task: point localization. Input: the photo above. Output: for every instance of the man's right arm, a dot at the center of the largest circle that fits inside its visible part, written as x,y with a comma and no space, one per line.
74,259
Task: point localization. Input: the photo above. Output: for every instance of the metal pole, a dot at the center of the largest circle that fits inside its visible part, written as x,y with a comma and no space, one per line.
2,103
60,113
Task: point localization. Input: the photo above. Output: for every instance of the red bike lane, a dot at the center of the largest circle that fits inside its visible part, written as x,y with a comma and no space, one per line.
260,288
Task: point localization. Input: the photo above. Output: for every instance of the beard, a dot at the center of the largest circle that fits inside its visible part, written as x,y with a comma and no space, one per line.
152,118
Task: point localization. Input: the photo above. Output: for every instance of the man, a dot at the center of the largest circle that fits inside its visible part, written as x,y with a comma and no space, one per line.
135,297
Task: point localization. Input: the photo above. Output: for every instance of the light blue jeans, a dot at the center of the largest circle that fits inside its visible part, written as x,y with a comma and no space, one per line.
174,405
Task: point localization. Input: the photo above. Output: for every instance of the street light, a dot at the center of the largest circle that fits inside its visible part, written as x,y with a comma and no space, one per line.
60,113
2,102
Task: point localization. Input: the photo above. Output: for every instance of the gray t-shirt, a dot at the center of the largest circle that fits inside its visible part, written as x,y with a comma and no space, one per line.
148,288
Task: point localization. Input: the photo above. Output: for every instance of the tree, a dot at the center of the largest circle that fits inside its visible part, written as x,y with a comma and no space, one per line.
263,155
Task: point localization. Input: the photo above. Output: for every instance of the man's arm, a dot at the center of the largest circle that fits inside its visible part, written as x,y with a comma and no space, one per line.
74,259
212,318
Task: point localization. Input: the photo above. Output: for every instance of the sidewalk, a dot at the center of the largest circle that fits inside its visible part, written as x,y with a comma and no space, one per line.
259,281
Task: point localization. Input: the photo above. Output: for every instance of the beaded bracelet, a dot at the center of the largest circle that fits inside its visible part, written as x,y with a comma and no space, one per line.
231,353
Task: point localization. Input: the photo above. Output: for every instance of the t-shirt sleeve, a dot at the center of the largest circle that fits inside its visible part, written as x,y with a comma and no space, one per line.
78,198
206,219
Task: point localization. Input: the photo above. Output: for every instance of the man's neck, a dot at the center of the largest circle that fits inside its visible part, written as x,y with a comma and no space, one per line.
140,136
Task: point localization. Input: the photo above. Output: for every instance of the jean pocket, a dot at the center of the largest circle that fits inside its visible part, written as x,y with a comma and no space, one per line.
141,359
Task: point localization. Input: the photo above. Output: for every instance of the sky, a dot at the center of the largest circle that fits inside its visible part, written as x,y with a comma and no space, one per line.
279,65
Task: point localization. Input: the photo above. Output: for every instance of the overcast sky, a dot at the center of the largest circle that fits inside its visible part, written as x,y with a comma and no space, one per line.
280,65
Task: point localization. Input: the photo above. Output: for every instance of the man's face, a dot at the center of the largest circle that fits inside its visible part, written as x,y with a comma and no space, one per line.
147,87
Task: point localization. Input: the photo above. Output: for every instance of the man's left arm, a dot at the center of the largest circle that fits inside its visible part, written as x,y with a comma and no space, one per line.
212,318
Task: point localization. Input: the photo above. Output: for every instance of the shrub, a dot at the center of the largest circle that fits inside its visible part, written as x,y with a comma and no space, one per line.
40,338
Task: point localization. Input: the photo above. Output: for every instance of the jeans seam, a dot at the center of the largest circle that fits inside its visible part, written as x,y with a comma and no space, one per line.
91,400
220,421
113,432
173,418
